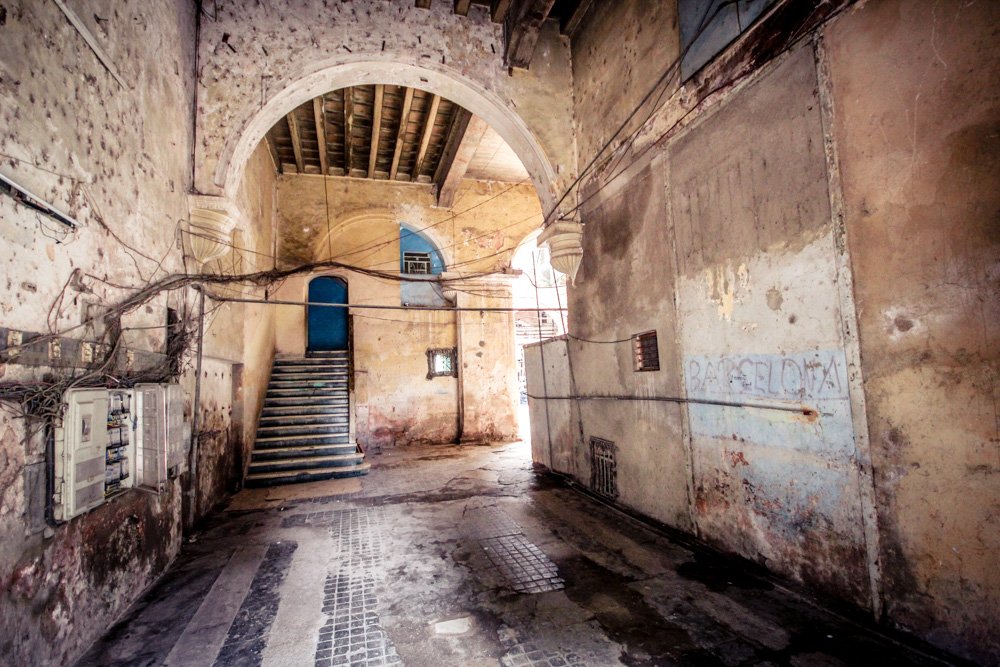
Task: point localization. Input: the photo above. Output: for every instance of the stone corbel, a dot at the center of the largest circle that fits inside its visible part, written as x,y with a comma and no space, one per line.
209,226
565,241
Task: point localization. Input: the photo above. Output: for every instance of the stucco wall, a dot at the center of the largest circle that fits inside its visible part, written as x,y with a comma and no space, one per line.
119,161
729,239
918,113
258,61
356,221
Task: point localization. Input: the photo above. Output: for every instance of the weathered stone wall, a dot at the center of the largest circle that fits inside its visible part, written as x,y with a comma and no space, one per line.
257,60
394,401
728,238
918,126
119,160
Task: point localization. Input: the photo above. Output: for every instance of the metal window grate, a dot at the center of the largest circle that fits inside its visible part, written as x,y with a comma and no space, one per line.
647,353
417,263
604,468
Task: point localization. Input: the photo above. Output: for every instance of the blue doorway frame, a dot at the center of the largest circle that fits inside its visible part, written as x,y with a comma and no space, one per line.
327,328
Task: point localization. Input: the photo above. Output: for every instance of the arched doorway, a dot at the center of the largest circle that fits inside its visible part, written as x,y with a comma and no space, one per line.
327,328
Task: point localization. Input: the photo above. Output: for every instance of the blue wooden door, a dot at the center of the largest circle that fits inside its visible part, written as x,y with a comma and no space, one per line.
327,326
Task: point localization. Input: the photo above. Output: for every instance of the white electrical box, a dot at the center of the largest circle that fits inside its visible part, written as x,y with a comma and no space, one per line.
115,439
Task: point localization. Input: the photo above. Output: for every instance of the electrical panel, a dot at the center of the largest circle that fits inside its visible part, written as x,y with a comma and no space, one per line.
112,440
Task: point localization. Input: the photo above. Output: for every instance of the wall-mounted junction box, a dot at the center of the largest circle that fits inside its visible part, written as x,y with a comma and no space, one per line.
112,440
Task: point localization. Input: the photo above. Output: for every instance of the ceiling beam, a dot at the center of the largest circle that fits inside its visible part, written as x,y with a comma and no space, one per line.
348,129
570,25
425,141
401,133
319,118
463,140
499,9
272,149
524,21
462,7
376,128
293,130
423,4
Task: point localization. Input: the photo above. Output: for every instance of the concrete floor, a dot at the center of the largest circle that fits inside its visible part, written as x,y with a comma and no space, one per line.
465,556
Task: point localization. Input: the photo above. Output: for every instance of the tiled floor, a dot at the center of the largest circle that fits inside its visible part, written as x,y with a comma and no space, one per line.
465,556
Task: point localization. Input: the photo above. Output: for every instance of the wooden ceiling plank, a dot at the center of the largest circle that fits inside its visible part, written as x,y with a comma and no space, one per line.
348,129
401,133
293,129
466,133
320,119
576,17
522,28
462,7
272,149
499,9
376,128
425,141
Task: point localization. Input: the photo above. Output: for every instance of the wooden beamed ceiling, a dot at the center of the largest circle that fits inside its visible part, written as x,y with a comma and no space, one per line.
394,133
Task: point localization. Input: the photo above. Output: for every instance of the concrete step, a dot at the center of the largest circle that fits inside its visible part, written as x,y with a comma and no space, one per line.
301,429
310,475
310,365
293,377
310,361
303,451
304,412
295,440
305,463
299,405
307,392
309,383
303,419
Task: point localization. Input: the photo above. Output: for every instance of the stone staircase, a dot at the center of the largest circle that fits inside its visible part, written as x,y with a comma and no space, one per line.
304,429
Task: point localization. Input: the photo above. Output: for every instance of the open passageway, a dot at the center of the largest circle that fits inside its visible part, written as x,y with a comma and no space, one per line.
450,555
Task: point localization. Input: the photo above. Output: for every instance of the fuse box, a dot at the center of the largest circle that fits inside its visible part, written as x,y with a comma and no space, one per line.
112,440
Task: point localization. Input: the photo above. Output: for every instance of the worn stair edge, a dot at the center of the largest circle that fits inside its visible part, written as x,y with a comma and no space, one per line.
305,462
304,451
311,475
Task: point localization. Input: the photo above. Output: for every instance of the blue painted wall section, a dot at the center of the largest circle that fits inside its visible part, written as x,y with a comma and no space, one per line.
327,326
817,380
783,484
421,291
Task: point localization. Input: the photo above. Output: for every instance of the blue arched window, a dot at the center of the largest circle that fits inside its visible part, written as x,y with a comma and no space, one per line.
420,262
417,254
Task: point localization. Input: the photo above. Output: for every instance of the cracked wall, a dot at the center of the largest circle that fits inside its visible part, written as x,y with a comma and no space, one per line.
357,221
732,236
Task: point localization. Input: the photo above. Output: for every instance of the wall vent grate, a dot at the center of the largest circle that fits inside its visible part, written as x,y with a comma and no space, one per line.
604,468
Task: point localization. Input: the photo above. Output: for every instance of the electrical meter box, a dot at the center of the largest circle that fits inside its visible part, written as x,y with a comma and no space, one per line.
112,440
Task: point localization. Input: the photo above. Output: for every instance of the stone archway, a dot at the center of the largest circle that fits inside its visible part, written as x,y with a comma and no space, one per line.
394,70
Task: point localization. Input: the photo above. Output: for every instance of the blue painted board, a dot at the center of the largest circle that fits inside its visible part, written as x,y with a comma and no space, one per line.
327,326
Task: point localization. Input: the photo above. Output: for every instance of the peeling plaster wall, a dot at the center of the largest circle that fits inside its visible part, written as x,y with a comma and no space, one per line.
726,239
119,161
394,402
619,52
260,60
116,160
918,119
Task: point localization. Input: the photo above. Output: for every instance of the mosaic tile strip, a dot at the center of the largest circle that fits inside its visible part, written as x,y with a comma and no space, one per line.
352,634
522,563
527,654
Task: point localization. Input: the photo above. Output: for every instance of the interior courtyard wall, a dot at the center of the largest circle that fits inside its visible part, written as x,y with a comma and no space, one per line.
759,285
119,161
253,55
394,401
918,119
